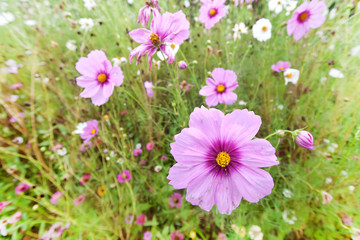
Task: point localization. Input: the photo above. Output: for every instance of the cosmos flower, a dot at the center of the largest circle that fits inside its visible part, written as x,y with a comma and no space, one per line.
12,67
170,48
276,5
16,86
89,4
222,236
163,158
262,30
308,15
85,178
55,231
150,146
255,233
137,152
305,139
289,217
129,218
55,197
86,24
291,75
211,12
15,217
335,73
140,220
6,18
147,235
71,45
281,66
164,29
119,61
4,204
22,187
177,235
98,78
239,29
79,200
219,163
90,130
327,198
182,65
124,176
3,224
175,200
287,193
149,89
220,88
145,12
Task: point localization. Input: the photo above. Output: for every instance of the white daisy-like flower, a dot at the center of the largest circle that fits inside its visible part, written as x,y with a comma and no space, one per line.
62,151
242,103
335,73
328,180
262,30
255,233
355,51
13,98
71,45
287,193
276,5
119,61
80,128
239,29
18,140
289,217
86,23
156,63
290,6
170,48
6,18
89,4
186,3
157,168
291,75
280,107
138,145
30,22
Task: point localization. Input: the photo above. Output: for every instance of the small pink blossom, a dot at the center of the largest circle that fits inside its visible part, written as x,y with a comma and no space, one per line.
346,219
137,152
145,12
150,146
305,139
16,86
147,235
175,200
55,197
140,220
163,158
90,130
79,200
327,198
85,178
4,204
55,231
17,117
182,65
211,12
177,235
129,218
222,236
15,217
281,66
124,176
22,187
149,89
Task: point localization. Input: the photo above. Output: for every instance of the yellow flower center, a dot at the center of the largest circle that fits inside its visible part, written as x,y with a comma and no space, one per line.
289,75
303,16
119,58
282,68
220,88
279,2
106,117
212,12
93,131
223,159
155,40
123,176
102,77
264,28
172,46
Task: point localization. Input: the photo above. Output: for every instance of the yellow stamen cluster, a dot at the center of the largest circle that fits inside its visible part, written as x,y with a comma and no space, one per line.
102,77
93,131
264,28
223,159
303,16
172,46
212,12
155,40
289,75
220,88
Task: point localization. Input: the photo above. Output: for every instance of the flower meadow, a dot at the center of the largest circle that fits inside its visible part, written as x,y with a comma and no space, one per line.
179,119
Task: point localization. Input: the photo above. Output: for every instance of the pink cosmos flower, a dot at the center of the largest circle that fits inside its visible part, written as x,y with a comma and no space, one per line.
305,139
98,78
211,12
220,88
222,236
147,235
150,146
129,218
85,146
22,187
90,130
15,217
20,115
4,204
163,158
182,65
16,86
79,200
137,152
149,89
346,219
145,12
140,220
124,176
177,235
219,162
55,197
281,66
327,198
85,178
175,200
55,231
164,29
308,15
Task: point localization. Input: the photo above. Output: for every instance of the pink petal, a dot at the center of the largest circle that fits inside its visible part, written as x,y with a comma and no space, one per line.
258,153
90,91
212,100
207,91
140,35
99,99
108,89
229,98
116,76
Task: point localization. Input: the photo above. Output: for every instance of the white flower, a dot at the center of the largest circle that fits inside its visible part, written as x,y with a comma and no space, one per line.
336,73
327,141
290,5
12,67
13,98
80,128
89,4
170,48
18,140
332,13
138,145
351,188
276,5
328,180
156,63
239,29
289,217
30,22
291,75
3,223
62,151
242,103
280,107
344,173
262,30
120,161
157,168
355,231
287,193
186,3
86,23
5,18
255,233
71,45
130,2
119,61
355,51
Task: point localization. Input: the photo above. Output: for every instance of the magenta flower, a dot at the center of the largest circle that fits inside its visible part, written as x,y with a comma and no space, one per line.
177,235
211,12
98,78
145,12
163,158
308,15
4,204
219,89
15,217
175,200
140,220
149,89
281,66
147,235
137,152
305,139
164,29
22,187
150,146
79,200
85,178
90,130
182,65
124,176
219,163
55,197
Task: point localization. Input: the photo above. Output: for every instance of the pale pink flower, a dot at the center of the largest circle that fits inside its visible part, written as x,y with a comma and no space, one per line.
55,197
79,200
145,12
327,198
211,12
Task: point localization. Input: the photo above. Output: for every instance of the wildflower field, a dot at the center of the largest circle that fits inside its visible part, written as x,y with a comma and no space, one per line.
179,119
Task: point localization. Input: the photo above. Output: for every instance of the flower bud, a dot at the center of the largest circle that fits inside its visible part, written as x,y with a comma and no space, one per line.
182,65
305,139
